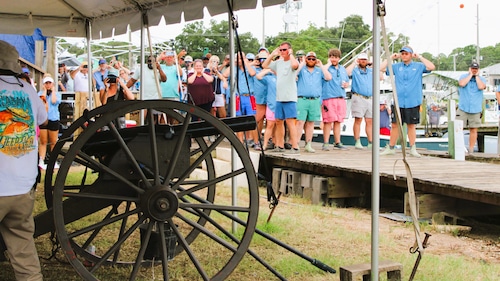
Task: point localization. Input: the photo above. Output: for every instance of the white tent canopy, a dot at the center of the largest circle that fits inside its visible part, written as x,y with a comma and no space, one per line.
70,18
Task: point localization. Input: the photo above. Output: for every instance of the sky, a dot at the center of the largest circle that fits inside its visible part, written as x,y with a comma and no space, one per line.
434,26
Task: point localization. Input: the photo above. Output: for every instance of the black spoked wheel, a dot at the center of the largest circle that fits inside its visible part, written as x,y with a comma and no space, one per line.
149,197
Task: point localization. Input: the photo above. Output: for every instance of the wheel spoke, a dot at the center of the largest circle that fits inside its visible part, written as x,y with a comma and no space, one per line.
129,154
216,180
189,252
140,254
177,150
100,196
102,223
207,232
107,170
214,207
164,254
194,165
154,148
118,243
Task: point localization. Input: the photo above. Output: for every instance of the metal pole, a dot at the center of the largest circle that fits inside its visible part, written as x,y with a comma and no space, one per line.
232,105
263,44
375,144
326,13
477,26
90,72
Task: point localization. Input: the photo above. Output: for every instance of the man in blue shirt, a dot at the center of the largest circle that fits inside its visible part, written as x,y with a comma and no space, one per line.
361,100
470,105
408,75
311,74
100,74
334,107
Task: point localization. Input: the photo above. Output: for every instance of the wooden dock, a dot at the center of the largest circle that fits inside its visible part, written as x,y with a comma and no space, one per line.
468,180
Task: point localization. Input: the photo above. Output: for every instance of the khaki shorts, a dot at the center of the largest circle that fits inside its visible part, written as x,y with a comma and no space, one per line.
471,120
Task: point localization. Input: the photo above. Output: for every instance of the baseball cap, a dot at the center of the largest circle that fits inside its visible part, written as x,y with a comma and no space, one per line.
363,56
262,49
474,65
205,58
26,70
9,58
382,101
169,53
300,53
262,55
47,79
101,61
406,49
188,59
250,56
113,73
311,54
85,63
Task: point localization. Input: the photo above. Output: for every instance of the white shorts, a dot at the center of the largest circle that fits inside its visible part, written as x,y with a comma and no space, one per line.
220,101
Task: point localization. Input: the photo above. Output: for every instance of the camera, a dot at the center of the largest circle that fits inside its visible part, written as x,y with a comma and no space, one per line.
49,92
112,79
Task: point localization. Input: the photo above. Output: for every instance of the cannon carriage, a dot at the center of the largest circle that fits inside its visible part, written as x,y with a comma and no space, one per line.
135,201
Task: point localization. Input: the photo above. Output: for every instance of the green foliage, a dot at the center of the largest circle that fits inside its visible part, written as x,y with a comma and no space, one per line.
350,33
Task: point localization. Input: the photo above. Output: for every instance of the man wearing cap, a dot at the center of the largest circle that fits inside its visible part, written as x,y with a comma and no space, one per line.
62,78
361,101
99,75
334,106
286,96
80,76
173,71
470,104
311,74
186,70
23,111
300,55
408,76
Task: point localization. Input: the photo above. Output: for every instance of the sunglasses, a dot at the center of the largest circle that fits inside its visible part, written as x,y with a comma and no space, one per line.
311,59
282,50
250,59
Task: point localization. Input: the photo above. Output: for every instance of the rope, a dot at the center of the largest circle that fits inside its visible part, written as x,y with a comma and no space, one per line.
409,177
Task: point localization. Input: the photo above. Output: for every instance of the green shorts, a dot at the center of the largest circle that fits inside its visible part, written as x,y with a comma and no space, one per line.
308,109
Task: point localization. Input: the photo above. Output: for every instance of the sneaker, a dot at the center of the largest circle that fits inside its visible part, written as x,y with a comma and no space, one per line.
325,147
42,165
56,165
369,145
340,146
308,148
250,143
288,146
278,150
388,151
291,152
413,151
358,145
257,147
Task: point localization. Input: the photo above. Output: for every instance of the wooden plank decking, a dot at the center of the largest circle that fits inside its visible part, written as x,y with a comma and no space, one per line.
469,180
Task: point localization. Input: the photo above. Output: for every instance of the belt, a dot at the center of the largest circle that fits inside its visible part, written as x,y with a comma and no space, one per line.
308,98
360,95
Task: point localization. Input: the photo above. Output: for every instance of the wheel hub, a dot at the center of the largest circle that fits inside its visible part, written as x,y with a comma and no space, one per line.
160,203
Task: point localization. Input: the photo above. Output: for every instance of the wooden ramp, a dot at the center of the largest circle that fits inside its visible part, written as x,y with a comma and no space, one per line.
468,180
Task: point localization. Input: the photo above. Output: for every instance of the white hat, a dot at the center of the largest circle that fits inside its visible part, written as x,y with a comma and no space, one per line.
47,79
188,59
311,54
363,56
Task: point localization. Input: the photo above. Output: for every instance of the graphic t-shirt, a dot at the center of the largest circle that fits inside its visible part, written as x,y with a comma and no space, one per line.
21,111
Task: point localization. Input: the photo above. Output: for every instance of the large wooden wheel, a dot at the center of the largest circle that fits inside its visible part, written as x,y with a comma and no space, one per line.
137,200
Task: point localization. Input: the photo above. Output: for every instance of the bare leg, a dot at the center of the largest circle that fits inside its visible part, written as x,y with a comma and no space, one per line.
472,139
309,129
368,128
356,128
336,131
290,122
327,127
279,132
